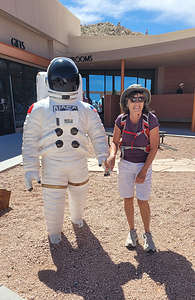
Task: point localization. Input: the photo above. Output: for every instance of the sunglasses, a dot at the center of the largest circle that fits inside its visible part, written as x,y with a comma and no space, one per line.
140,99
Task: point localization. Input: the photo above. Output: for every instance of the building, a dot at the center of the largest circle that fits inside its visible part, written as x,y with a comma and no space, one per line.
33,32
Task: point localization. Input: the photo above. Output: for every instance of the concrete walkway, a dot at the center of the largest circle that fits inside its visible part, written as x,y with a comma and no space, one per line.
7,294
11,144
11,148
159,165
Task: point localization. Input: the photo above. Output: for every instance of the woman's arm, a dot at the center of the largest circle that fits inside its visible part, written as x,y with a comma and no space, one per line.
114,147
154,143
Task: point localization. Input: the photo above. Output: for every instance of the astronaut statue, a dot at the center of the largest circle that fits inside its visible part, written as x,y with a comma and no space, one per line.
58,129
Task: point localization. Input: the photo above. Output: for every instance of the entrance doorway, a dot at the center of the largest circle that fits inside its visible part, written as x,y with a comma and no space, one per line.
6,109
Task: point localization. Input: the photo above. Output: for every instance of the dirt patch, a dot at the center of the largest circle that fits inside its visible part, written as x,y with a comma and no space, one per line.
92,263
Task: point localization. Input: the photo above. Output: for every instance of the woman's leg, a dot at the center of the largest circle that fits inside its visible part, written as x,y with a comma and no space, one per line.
132,238
129,211
144,207
126,182
145,213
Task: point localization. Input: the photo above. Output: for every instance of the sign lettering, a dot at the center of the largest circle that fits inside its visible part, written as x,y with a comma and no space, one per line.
82,59
17,43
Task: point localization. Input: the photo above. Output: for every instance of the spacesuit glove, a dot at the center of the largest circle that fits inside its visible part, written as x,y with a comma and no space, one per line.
29,176
101,160
107,169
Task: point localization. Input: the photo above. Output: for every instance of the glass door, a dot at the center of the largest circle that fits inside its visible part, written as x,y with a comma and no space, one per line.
23,79
6,110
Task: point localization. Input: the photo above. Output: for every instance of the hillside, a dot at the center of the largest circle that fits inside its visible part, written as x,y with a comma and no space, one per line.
107,29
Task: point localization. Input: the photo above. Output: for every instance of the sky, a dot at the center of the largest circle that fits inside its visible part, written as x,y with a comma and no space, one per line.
154,16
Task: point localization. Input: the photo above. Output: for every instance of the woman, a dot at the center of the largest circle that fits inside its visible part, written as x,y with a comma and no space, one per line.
136,133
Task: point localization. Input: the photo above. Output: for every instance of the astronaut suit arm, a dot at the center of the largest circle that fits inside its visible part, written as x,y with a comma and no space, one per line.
30,146
97,135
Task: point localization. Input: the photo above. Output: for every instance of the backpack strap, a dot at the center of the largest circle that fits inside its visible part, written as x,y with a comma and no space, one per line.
123,121
145,124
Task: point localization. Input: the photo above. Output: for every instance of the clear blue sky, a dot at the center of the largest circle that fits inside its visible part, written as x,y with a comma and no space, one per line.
158,16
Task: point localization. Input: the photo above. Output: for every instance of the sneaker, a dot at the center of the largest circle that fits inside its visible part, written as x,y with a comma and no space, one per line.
78,223
148,242
131,239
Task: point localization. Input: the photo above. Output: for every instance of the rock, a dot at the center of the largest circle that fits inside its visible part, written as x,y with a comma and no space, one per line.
107,29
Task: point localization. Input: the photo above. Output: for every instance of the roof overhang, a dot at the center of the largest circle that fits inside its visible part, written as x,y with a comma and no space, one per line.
164,52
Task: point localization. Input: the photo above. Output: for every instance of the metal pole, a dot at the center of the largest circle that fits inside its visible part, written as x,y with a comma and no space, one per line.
12,102
193,114
122,74
113,84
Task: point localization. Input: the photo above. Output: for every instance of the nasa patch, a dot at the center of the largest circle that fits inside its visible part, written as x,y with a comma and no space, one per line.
65,108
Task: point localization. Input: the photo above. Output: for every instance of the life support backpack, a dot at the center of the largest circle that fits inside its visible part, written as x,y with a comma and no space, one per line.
145,130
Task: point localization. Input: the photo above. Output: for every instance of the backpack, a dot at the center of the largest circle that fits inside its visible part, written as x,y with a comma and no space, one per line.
145,130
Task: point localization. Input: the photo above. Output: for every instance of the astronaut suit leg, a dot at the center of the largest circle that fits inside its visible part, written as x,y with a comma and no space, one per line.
58,129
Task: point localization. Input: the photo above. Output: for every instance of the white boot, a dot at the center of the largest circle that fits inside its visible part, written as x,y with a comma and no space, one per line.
55,238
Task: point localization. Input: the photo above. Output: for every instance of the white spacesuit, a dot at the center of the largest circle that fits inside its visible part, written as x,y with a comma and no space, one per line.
58,129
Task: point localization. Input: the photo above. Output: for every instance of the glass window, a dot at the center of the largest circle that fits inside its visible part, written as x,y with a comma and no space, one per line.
3,66
6,110
108,88
128,81
84,84
20,81
148,84
117,83
23,80
15,69
112,80
141,81
96,88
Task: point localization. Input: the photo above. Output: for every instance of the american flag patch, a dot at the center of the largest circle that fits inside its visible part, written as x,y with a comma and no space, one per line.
93,108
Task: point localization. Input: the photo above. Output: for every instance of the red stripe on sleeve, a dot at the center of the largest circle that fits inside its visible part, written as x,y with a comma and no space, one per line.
30,109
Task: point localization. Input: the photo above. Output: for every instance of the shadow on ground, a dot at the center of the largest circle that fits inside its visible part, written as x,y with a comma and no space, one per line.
87,271
5,211
171,269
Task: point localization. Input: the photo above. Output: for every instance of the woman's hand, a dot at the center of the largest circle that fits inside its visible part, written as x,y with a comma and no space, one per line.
141,176
110,162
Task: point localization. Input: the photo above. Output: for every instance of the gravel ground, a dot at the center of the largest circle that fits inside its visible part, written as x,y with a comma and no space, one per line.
92,263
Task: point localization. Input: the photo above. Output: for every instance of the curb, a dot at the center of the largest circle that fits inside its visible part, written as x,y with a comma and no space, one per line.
10,163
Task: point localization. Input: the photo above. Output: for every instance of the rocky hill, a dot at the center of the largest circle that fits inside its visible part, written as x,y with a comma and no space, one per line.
107,29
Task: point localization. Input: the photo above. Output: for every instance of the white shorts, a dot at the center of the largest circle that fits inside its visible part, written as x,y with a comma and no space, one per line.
127,172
